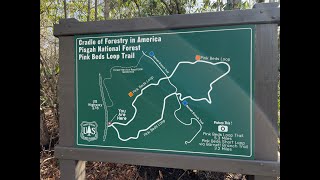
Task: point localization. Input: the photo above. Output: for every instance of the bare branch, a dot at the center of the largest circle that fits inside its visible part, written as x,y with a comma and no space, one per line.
167,6
106,9
44,64
47,9
136,3
95,10
88,17
46,160
178,6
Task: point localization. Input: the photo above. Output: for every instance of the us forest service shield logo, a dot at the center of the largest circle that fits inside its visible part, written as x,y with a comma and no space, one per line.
89,131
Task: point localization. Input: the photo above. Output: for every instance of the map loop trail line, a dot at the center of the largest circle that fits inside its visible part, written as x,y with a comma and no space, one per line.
111,78
101,83
187,124
187,142
208,99
105,108
163,108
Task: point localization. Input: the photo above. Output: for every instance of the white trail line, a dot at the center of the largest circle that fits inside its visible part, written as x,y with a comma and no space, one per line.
111,77
187,142
178,94
101,83
175,93
105,108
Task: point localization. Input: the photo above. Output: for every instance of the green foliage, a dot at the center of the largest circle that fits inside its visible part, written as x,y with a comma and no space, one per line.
245,5
51,11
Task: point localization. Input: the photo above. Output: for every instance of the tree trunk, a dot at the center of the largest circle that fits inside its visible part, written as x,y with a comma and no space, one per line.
95,10
178,6
88,17
44,135
136,3
55,47
65,9
106,9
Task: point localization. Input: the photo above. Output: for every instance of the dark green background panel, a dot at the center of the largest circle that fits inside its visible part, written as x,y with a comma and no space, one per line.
196,131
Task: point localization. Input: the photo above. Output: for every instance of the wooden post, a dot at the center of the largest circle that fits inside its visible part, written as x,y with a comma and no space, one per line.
69,169
266,67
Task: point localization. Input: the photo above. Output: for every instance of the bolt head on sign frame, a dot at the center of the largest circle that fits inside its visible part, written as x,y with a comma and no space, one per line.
187,91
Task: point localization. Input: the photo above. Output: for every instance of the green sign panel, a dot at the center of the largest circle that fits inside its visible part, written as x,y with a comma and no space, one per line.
186,91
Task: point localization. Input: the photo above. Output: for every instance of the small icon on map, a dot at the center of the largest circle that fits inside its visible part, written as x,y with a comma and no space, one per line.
198,57
151,53
185,103
222,128
89,131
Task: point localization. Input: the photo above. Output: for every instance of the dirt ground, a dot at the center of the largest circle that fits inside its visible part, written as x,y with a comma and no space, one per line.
49,170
